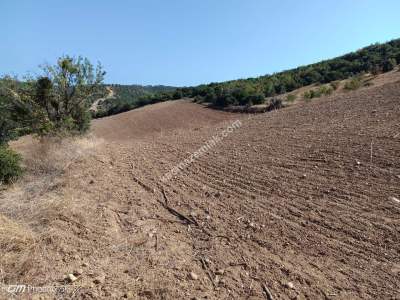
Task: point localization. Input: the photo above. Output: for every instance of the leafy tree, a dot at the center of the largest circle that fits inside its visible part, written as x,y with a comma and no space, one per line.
177,95
256,99
15,114
7,125
269,89
388,65
64,94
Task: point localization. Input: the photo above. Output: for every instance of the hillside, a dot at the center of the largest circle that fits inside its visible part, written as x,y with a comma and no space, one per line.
374,59
298,203
369,61
127,97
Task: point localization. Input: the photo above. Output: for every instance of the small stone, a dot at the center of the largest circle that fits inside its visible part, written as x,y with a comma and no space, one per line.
71,277
129,295
358,162
289,285
78,272
220,272
304,175
91,181
194,276
394,199
217,279
99,279
218,194
85,265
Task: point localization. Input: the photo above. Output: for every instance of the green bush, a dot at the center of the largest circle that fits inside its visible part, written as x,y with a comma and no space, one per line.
10,165
198,99
335,85
276,103
308,95
324,91
354,84
256,99
388,65
177,95
291,98
321,91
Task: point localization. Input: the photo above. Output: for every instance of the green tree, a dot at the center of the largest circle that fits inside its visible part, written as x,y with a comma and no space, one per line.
177,94
64,94
388,65
15,116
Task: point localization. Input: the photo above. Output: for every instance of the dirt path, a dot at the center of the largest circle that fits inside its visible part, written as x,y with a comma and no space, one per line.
96,103
300,202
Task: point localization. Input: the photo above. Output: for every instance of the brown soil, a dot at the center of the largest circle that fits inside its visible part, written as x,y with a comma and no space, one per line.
300,202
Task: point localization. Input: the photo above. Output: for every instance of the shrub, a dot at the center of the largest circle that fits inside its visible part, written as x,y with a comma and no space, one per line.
388,65
320,91
291,98
13,116
276,103
10,168
335,85
354,84
198,99
324,90
177,95
308,95
256,99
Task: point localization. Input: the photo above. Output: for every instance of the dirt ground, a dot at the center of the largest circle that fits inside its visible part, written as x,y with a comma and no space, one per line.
299,203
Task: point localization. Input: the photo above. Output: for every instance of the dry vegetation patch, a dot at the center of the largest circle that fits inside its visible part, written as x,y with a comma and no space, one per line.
36,213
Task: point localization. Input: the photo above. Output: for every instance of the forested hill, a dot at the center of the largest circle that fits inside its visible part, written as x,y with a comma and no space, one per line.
375,59
127,97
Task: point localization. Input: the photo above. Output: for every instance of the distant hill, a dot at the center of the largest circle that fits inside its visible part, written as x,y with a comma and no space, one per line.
127,97
375,59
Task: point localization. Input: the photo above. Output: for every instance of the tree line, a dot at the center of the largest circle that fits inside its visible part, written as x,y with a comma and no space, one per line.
375,59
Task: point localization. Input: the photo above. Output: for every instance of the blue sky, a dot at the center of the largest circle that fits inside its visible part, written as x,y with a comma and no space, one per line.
188,42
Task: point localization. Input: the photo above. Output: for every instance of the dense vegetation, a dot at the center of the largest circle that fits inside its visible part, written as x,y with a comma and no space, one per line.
55,103
127,97
374,59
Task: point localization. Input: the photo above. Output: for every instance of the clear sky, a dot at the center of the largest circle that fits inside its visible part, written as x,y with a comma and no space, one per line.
188,42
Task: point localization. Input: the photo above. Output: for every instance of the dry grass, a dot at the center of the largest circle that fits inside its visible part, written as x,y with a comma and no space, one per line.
50,156
30,208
